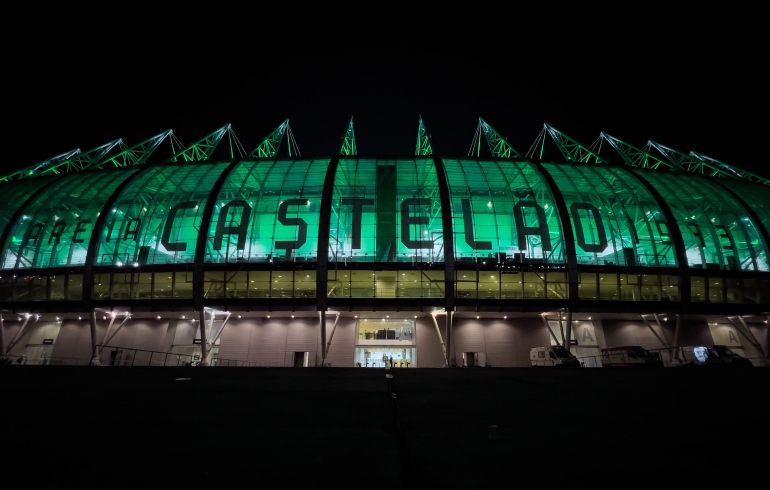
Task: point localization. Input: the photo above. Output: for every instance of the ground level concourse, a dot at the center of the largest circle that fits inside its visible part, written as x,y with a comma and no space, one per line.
363,338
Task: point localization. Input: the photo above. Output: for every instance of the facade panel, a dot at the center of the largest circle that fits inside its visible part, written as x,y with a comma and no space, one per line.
55,229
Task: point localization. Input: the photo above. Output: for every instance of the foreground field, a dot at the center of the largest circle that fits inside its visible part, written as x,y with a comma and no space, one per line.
356,427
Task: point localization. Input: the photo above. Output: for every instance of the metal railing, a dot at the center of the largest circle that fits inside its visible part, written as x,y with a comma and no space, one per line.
671,357
218,361
127,356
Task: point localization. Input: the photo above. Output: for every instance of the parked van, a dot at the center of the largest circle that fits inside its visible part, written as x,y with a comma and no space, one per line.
553,356
629,356
712,355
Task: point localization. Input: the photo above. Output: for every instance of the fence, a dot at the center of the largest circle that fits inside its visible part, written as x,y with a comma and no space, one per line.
671,357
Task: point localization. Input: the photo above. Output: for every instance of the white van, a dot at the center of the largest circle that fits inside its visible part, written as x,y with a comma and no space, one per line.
553,356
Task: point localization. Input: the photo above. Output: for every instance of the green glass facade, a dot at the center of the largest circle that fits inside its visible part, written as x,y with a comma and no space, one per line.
386,232
503,207
615,220
156,218
56,226
717,230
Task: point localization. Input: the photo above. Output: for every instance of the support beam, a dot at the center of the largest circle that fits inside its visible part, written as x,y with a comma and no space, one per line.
498,144
81,161
423,140
204,345
20,333
348,146
125,319
322,321
36,169
92,323
636,157
334,329
136,155
440,338
571,149
741,327
213,339
687,162
545,321
569,329
660,339
2,335
731,169
269,146
202,149
677,337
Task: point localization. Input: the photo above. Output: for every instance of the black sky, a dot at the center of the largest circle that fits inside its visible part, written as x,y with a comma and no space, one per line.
689,83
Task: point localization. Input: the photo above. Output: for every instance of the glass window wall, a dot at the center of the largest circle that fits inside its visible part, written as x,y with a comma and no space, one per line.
503,211
56,227
717,231
386,211
157,217
616,221
268,211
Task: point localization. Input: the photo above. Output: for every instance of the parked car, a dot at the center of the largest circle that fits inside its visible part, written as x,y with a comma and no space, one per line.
629,356
552,356
713,355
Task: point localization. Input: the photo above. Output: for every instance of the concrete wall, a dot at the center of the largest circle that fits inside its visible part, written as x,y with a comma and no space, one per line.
635,332
274,341
505,342
429,351
342,350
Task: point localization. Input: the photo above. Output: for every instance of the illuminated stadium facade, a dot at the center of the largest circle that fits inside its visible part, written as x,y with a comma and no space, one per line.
347,260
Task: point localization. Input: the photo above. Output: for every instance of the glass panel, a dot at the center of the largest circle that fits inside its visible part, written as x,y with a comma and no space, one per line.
616,221
13,195
587,287
386,211
157,216
56,227
503,211
754,195
698,289
268,211
717,231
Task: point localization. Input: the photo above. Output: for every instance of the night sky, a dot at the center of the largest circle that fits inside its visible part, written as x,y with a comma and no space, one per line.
689,83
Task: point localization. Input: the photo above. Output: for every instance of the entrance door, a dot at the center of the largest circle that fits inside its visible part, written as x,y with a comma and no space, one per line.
470,359
300,359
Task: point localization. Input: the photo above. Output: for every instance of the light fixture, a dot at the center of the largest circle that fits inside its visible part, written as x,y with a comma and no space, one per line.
182,317
387,316
80,318
589,317
477,317
505,318
158,317
292,316
268,316
239,316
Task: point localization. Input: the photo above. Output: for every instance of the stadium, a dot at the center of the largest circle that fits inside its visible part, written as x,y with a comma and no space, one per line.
114,256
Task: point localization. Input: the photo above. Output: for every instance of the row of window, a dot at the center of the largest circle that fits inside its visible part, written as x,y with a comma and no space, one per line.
384,284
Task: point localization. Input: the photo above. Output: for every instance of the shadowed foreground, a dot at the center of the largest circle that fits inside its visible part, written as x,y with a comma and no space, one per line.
343,427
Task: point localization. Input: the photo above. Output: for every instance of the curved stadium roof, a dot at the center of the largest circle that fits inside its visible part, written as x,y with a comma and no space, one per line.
505,211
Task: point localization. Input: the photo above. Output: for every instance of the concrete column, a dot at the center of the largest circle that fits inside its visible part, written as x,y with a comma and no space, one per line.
2,337
92,322
322,318
677,332
204,346
569,329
